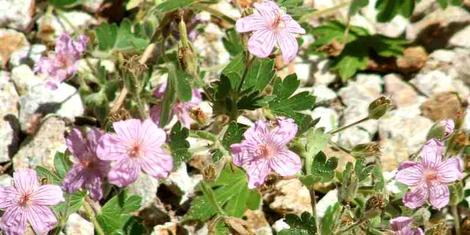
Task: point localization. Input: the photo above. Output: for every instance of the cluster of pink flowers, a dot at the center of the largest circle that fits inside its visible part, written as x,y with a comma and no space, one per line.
182,110
27,202
264,149
63,63
270,26
429,178
403,226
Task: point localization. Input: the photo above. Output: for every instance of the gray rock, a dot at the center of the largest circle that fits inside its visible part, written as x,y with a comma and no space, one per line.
65,101
286,201
6,180
17,14
41,148
436,81
182,183
50,27
78,226
30,54
146,186
8,112
461,38
328,118
323,93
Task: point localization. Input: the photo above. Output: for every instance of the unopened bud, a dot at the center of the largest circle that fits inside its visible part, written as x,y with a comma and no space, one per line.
375,206
442,129
209,173
186,53
379,107
371,149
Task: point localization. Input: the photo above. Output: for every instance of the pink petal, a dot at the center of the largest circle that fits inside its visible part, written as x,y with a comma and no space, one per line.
250,23
399,223
151,135
47,195
240,156
449,126
410,176
288,45
110,148
439,195
257,171
258,132
93,137
124,172
76,144
406,164
155,112
285,131
417,231
431,153
128,130
41,218
292,26
286,163
450,170
261,43
416,197
94,186
158,164
25,180
74,179
13,221
267,9
8,195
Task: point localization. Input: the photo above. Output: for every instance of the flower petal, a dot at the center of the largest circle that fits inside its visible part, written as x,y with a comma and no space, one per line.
155,112
240,155
13,221
450,170
257,133
285,130
431,153
157,164
151,135
406,164
8,194
95,188
252,22
111,147
128,129
93,137
74,179
47,195
292,26
76,144
288,45
439,195
124,172
41,218
257,171
399,223
411,176
286,163
268,10
261,43
416,197
26,180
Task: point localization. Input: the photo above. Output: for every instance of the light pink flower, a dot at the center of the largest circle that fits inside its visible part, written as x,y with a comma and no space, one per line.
403,226
270,25
28,202
88,171
448,125
136,146
429,178
182,110
264,150
64,62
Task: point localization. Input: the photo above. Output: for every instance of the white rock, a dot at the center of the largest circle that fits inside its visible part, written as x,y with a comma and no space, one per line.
285,201
366,88
146,186
34,53
328,118
326,201
185,183
436,81
323,74
461,38
6,180
280,225
166,228
303,71
78,226
353,136
92,5
16,14
323,93
48,23
9,107
442,55
401,93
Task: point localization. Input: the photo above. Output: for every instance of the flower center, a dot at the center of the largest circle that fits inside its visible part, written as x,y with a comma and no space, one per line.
266,151
88,164
25,200
430,175
135,150
278,23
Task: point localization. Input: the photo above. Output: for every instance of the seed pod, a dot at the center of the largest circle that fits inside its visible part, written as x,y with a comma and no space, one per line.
371,149
375,205
379,107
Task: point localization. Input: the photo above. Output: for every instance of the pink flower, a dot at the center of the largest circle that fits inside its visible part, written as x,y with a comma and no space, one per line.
136,146
270,25
88,171
182,110
429,178
402,226
264,150
27,202
448,125
63,64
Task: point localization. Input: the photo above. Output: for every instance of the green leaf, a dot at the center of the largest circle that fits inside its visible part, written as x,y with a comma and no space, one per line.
115,214
51,177
379,180
182,86
317,140
61,164
178,144
64,3
361,170
168,100
234,70
388,9
303,225
445,3
233,42
322,170
356,5
73,202
330,219
259,74
123,38
231,193
171,5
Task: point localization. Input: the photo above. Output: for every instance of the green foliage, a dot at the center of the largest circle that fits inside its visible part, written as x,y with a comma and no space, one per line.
171,5
259,74
388,9
356,5
295,8
116,213
234,70
120,38
64,3
233,42
61,164
182,86
49,176
322,169
303,225
72,204
329,221
234,134
285,103
358,49
231,193
178,144
445,3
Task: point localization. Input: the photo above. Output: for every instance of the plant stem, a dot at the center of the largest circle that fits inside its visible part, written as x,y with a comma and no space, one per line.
211,198
456,215
348,126
357,223
313,202
91,215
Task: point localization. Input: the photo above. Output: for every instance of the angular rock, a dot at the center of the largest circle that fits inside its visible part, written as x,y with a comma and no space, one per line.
9,128
326,201
443,106
181,183
6,180
291,197
11,41
78,225
146,186
461,38
437,81
27,55
257,222
16,14
401,93
41,148
168,228
323,94
322,73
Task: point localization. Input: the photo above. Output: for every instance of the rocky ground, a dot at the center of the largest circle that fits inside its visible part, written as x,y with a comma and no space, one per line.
35,119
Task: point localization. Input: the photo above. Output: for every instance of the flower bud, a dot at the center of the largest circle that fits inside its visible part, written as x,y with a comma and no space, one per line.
375,205
186,54
371,149
442,129
379,107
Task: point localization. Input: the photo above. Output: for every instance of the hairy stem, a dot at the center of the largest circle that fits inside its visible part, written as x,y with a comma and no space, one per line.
313,202
91,215
348,126
456,215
